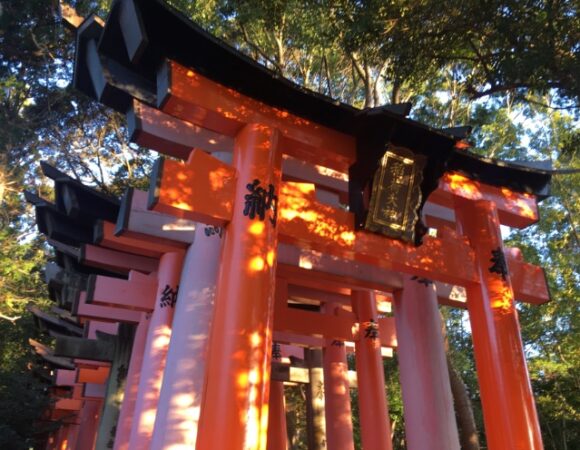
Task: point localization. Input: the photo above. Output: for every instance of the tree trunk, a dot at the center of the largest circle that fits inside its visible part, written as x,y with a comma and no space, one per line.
468,437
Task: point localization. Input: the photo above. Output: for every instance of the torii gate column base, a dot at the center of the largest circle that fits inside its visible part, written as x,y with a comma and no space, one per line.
277,432
373,408
509,412
234,412
427,399
336,393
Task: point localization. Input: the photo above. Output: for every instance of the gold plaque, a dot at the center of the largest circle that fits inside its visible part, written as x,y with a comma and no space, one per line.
396,195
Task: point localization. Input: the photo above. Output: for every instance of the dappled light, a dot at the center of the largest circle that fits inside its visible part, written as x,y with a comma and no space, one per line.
200,189
502,298
521,203
463,186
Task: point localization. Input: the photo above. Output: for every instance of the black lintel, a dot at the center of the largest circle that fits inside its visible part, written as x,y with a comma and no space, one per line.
47,322
78,200
461,132
91,349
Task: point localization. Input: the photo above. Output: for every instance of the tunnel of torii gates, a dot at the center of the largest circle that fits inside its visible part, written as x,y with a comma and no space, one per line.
273,241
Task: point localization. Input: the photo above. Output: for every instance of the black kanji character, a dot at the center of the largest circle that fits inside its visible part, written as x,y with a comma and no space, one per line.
499,265
259,200
168,296
426,281
276,351
371,330
210,231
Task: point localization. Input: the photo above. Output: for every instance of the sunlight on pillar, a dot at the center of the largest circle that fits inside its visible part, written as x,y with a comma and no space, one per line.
257,228
264,426
149,417
255,339
270,257
253,434
162,341
257,264
184,400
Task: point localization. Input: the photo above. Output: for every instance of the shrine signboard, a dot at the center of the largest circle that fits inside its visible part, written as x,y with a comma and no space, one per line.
396,195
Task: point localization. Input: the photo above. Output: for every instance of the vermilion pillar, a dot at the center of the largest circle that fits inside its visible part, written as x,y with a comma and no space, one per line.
337,393
277,433
158,336
183,381
509,412
89,419
235,406
427,399
73,435
373,409
133,375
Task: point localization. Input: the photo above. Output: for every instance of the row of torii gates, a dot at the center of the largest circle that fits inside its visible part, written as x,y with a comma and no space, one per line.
181,308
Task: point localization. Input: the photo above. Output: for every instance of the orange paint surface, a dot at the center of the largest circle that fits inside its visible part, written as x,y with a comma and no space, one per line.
191,191
203,102
139,245
515,208
98,375
237,389
509,411
304,221
201,189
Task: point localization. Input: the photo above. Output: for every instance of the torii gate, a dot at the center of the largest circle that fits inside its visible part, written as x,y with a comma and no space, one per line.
295,156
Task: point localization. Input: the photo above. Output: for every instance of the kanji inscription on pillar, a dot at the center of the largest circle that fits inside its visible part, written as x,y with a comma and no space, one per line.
168,297
396,195
210,230
261,201
499,265
371,329
276,351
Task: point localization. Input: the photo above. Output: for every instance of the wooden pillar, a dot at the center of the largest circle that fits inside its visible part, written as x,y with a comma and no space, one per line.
183,381
133,375
72,436
122,342
277,433
235,406
89,418
154,355
337,393
60,438
508,405
315,417
427,399
373,408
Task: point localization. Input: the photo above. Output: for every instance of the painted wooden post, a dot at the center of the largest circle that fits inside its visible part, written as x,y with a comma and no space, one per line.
154,356
183,382
315,418
277,432
133,375
336,392
185,369
427,399
373,408
509,411
89,419
235,407
122,343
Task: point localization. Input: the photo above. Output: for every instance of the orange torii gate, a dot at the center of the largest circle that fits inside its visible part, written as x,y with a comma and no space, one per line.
298,157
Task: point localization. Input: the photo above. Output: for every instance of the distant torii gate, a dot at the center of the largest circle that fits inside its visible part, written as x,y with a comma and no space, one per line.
297,159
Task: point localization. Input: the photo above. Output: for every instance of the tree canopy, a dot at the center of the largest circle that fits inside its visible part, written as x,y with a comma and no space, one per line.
508,68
